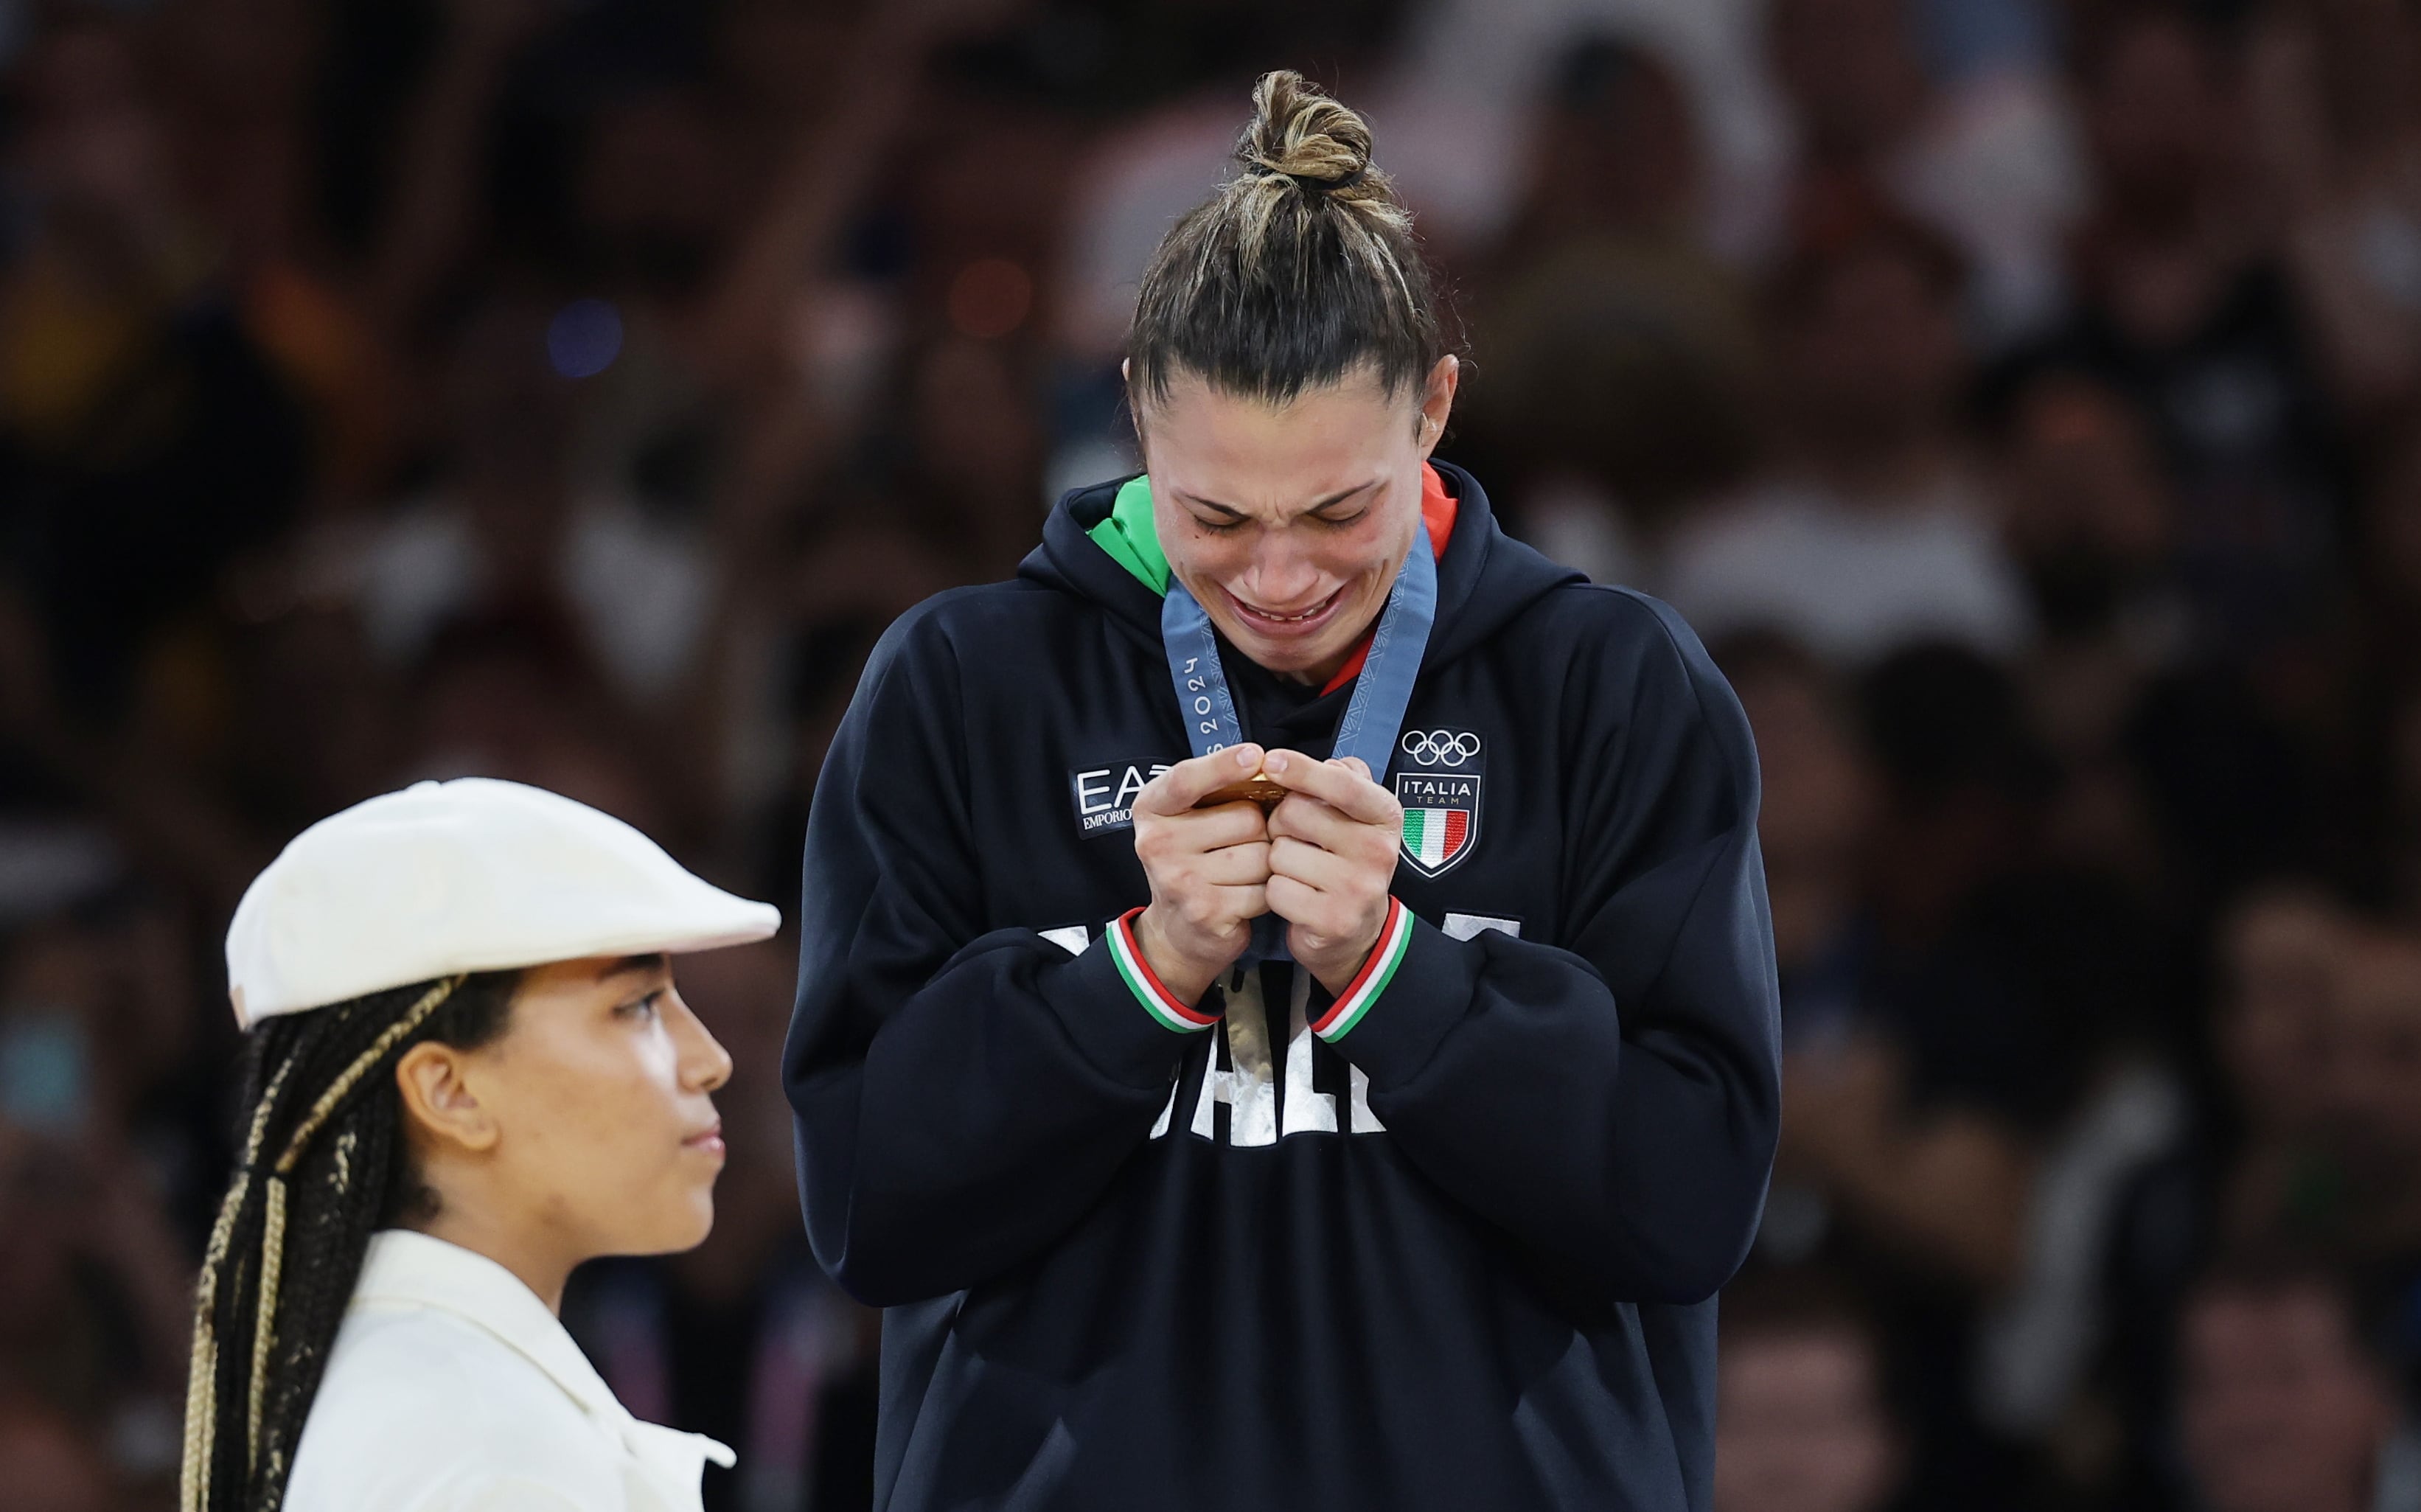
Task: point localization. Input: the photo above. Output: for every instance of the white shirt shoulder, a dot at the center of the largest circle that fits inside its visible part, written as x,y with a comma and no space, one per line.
451,1388
420,1410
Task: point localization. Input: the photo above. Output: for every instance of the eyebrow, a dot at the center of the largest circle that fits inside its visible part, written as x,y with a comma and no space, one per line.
633,965
1233,513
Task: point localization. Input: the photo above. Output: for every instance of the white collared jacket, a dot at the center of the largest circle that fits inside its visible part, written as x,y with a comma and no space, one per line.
452,1388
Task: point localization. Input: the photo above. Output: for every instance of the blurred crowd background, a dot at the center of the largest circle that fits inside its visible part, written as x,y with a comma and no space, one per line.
2021,397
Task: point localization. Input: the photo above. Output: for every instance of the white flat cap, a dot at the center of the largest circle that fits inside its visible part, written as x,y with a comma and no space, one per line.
472,874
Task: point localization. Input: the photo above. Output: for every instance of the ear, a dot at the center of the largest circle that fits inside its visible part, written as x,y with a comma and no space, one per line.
438,1100
1437,402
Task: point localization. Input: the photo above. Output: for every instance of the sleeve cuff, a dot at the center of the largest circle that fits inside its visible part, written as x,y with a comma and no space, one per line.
1163,1005
1386,958
1089,993
1428,981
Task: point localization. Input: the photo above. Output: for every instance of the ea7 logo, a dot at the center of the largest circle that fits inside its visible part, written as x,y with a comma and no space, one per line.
1105,796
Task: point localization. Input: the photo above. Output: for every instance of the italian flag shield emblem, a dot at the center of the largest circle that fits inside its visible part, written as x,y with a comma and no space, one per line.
1441,818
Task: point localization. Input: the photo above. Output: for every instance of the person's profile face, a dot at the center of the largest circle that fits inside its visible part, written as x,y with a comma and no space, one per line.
601,1091
1288,522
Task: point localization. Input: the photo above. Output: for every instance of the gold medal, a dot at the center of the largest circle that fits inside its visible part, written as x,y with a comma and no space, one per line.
1256,789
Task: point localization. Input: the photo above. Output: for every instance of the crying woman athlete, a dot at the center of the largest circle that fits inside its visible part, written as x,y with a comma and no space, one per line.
1381,1147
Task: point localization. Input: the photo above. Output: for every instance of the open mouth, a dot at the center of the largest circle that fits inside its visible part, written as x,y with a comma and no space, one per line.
1299,623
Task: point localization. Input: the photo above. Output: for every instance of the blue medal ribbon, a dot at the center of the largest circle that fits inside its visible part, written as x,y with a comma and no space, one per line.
1374,715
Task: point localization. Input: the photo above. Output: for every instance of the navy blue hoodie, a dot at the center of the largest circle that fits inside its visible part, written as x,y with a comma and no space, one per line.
1462,1256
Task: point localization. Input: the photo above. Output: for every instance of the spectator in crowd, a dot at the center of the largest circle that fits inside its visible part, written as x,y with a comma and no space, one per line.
1818,805
1805,1420
2085,509
1871,531
93,1294
51,1468
1984,155
2250,1165
2186,305
145,441
2283,1405
1951,989
1629,349
2338,131
2368,1123
506,529
2389,678
1908,1053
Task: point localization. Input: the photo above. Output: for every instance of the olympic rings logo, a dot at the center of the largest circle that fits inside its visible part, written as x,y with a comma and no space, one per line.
1441,748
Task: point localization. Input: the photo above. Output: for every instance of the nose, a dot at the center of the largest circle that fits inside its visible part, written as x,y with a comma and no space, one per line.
1282,576
704,1064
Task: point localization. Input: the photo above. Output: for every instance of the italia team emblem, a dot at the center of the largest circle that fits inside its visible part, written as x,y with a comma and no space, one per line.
1442,802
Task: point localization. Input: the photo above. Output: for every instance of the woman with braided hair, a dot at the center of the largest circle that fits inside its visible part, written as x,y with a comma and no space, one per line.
469,1071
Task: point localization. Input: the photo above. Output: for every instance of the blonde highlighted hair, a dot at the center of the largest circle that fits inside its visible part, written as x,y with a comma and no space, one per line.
1299,270
324,1164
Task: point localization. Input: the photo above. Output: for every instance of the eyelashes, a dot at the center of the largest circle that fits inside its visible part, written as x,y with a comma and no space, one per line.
1228,527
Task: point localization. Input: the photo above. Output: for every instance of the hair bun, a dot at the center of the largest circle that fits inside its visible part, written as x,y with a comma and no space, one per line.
1300,132
1300,269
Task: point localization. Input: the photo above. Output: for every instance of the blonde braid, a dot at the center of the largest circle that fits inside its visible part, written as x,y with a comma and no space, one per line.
201,1403
264,1328
194,1481
273,1235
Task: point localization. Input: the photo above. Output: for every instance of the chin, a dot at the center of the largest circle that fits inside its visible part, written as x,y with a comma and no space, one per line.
701,1221
1285,656
682,1223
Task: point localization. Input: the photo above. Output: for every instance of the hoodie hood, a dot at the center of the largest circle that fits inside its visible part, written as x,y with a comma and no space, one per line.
1485,578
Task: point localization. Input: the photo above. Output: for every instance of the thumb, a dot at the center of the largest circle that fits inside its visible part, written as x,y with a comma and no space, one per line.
1189,782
